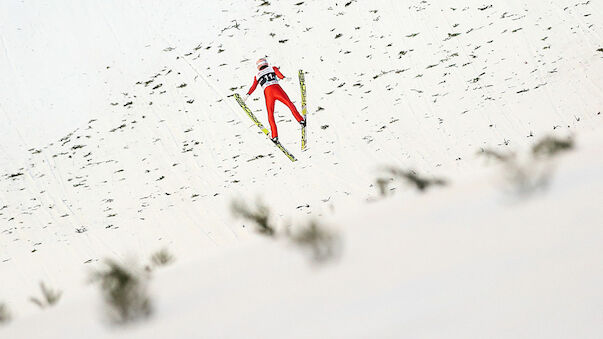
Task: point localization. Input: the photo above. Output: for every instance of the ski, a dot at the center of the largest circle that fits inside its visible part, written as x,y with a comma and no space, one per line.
302,85
284,150
261,127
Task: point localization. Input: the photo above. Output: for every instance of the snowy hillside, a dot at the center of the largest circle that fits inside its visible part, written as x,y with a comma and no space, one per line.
121,137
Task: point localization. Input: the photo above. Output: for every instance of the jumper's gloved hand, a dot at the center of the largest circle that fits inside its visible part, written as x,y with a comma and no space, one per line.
245,97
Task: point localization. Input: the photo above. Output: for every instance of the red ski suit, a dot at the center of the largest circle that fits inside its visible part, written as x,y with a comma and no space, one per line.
273,92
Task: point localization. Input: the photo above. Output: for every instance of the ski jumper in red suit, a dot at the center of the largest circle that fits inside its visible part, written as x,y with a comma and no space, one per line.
268,79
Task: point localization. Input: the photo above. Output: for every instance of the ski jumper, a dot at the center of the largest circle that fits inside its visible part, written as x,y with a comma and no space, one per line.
268,79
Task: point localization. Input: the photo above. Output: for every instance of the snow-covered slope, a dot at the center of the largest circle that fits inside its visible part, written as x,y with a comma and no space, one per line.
154,148
469,261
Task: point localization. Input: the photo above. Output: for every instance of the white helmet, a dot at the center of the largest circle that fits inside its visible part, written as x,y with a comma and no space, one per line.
261,63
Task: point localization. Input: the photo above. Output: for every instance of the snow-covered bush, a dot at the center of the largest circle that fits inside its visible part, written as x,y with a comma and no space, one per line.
532,173
260,216
410,177
161,258
321,243
124,289
550,146
49,296
5,316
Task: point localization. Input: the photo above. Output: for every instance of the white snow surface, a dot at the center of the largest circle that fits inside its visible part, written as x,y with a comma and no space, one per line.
119,122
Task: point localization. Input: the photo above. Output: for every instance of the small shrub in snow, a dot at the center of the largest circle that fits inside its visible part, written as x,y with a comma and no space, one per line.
161,258
534,172
322,244
421,183
49,297
260,216
528,179
492,154
5,316
411,177
522,178
383,185
551,146
124,289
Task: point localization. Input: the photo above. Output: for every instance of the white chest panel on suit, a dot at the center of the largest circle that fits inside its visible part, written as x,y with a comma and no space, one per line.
267,77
